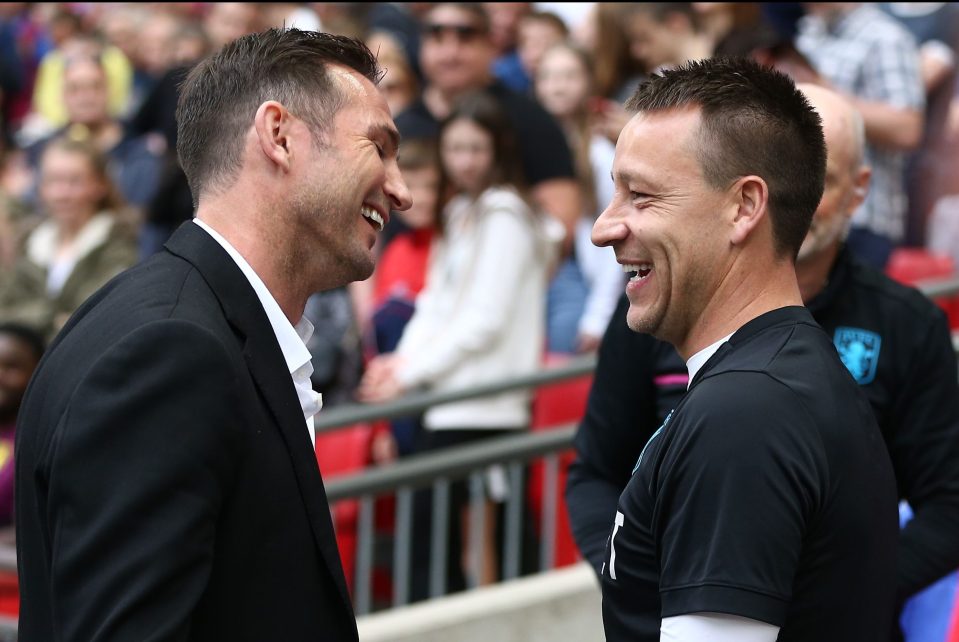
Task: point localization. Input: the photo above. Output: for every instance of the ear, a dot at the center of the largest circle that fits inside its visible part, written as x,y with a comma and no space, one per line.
751,202
272,124
860,186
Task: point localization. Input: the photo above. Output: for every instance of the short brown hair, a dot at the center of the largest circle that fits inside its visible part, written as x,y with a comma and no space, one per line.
754,122
221,94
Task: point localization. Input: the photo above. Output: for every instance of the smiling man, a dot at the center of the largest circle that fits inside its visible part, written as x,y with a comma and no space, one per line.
766,498
167,485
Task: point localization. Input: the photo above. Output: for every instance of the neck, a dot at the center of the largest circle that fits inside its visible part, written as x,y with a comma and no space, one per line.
67,231
742,296
104,134
440,103
812,272
273,268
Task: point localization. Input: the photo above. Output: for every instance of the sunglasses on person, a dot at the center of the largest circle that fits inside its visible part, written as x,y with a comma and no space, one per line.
461,31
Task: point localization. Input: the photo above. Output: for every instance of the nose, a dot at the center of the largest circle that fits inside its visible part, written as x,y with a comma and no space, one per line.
608,228
396,189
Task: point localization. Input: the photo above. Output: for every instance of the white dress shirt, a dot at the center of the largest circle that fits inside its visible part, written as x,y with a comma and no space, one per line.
292,340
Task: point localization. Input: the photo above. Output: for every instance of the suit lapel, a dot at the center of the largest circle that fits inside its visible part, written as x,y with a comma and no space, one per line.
268,368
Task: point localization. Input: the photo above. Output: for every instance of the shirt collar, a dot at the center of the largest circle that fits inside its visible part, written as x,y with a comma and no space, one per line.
292,339
698,360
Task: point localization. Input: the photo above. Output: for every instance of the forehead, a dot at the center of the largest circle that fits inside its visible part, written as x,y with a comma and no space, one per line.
83,71
364,102
659,145
64,159
561,57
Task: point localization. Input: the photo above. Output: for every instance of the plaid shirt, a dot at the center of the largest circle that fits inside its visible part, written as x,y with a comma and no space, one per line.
867,54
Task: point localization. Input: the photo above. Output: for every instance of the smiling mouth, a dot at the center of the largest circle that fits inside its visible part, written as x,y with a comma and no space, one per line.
373,217
637,271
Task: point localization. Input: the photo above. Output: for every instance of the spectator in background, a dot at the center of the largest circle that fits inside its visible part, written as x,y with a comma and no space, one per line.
663,35
935,28
455,55
48,100
86,240
20,352
603,33
538,31
479,318
224,22
504,20
399,85
873,61
133,163
27,41
617,72
588,283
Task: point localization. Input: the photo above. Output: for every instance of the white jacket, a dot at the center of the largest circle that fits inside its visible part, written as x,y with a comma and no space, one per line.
480,317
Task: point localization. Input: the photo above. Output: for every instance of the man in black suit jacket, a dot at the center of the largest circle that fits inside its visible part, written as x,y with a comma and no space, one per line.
167,488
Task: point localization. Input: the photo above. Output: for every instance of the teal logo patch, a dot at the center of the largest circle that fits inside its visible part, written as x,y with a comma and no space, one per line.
859,351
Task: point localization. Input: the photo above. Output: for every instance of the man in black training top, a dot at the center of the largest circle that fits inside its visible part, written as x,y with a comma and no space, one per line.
894,341
764,507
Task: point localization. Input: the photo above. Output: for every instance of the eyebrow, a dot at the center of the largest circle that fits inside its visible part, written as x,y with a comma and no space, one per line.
388,132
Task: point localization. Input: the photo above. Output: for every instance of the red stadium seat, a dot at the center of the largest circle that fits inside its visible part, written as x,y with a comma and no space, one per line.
911,266
555,405
9,595
345,450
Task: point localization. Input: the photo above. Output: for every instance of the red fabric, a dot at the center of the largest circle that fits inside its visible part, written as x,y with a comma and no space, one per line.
402,268
555,405
911,266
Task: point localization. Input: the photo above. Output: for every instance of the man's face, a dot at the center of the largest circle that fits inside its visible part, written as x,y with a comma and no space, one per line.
665,223
455,53
17,364
348,180
839,198
85,93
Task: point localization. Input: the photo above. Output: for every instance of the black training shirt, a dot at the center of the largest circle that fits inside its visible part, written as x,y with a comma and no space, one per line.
767,493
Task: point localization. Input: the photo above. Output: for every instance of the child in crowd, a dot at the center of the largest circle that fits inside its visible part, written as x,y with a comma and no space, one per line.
588,284
479,319
86,239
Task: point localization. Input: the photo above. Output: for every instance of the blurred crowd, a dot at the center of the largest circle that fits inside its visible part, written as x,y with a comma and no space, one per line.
509,114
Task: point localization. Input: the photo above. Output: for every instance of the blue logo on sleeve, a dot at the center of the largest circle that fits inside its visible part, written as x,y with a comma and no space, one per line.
859,351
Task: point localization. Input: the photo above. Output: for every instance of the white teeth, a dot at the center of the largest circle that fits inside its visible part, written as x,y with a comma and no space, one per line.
373,215
639,271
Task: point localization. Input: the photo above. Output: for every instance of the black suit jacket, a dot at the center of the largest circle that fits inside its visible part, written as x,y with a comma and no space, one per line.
166,487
